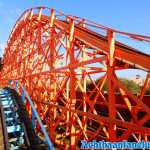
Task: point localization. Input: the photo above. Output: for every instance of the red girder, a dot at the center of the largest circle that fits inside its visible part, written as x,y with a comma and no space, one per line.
59,58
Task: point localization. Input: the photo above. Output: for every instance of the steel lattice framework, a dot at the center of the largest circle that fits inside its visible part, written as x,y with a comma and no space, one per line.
57,57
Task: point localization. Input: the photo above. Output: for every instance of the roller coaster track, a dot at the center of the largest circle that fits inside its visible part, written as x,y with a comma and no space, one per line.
64,62
16,127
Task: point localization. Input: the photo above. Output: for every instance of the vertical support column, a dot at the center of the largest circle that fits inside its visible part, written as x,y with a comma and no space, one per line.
72,83
67,61
84,78
52,62
111,90
67,92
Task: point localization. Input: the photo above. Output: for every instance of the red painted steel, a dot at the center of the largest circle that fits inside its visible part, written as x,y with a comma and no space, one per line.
57,57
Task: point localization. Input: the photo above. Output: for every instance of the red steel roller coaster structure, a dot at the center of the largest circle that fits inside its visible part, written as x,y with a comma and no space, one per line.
57,56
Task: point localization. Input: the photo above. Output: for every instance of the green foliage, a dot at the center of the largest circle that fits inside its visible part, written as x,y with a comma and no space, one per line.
148,90
130,85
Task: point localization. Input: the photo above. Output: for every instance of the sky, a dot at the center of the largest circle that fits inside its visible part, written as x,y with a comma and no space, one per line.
125,15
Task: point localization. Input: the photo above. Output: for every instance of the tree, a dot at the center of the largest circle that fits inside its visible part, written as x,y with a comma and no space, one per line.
130,85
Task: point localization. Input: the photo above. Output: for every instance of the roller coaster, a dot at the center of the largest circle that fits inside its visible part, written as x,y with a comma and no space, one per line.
53,72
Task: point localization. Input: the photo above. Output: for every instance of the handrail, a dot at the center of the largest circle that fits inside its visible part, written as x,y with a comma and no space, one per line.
35,114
